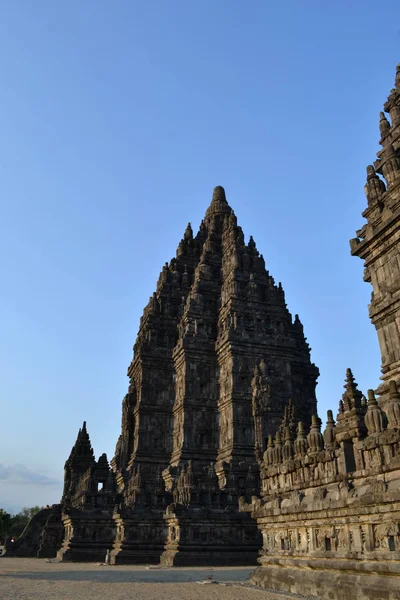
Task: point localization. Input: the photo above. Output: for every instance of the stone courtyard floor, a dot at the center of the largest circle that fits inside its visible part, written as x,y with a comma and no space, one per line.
40,579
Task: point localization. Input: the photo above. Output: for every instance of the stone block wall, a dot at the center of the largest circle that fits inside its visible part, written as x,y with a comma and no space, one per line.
329,510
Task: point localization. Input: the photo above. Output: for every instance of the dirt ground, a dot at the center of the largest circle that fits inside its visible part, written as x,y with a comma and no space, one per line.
38,579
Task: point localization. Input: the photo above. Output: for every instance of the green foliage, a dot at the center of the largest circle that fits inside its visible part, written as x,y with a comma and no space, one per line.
21,520
5,523
28,513
14,525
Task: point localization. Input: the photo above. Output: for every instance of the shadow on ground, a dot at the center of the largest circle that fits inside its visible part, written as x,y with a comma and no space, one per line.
108,574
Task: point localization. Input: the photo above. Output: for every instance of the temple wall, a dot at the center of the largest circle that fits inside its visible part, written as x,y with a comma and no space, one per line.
329,510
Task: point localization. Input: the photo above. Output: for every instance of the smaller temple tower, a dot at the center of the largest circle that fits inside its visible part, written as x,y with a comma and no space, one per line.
87,503
377,242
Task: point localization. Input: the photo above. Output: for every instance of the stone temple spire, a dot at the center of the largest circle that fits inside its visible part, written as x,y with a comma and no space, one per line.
217,358
82,449
219,205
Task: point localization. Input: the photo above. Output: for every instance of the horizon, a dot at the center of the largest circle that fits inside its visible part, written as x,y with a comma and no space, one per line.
117,125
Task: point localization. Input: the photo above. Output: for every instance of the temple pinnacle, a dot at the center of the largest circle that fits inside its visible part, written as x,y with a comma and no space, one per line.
218,204
219,193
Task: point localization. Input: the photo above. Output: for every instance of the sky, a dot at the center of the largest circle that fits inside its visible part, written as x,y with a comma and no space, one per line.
117,120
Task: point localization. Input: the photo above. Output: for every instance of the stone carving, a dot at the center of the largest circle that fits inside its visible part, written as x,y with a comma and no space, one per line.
386,535
374,417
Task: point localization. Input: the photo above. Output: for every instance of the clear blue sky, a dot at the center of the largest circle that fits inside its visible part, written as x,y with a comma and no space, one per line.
117,119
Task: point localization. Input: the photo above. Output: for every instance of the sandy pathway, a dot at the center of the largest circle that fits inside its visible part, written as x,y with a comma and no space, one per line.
36,579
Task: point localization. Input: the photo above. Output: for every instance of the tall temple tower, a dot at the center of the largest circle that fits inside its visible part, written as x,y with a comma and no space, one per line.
217,351
219,364
216,361
377,242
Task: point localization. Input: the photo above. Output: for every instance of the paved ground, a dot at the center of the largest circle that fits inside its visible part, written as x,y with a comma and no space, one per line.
38,579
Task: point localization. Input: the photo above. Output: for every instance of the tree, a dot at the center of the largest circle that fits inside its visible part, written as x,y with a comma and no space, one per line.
5,524
14,525
21,519
28,513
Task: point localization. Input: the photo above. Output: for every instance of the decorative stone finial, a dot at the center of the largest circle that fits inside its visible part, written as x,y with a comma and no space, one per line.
288,453
350,380
218,206
374,416
103,461
371,398
219,193
188,232
375,187
384,125
252,244
298,325
82,449
329,433
371,172
314,438
300,444
278,448
350,419
269,453
352,396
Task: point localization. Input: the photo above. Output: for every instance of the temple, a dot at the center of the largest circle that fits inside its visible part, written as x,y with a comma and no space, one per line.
218,365
221,458
216,360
